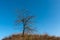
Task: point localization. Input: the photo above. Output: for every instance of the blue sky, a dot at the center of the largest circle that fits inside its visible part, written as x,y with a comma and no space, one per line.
47,14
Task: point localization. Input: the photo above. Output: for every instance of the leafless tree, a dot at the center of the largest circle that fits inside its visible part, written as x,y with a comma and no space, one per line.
24,18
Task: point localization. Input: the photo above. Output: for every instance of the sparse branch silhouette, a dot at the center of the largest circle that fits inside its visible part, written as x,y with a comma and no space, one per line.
24,18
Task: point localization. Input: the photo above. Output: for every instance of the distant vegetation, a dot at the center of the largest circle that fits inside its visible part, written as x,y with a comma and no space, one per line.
32,37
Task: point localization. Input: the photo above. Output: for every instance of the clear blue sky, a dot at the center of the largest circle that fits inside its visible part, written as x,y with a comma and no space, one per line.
47,14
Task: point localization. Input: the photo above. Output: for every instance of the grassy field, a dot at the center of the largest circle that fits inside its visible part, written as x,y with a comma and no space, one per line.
31,37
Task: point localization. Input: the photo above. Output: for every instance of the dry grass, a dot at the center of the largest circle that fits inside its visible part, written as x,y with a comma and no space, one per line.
32,37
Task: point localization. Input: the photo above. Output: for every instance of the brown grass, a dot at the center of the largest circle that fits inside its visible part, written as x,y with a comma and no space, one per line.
32,37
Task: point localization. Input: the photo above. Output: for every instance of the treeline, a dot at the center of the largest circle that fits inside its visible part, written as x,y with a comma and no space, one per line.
32,37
